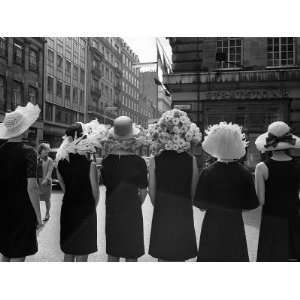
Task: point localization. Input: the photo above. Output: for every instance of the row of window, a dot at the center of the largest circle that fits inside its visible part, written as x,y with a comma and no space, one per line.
19,54
78,94
19,95
132,79
130,65
130,91
62,115
280,52
77,74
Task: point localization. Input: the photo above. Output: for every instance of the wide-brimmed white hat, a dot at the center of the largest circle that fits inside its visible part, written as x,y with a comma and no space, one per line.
123,128
278,137
18,121
225,141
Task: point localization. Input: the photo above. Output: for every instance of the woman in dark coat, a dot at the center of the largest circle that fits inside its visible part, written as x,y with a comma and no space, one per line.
78,177
173,175
125,176
277,183
20,215
224,190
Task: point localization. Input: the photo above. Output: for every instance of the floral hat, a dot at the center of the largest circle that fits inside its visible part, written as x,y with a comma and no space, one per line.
278,137
225,141
124,136
173,131
89,140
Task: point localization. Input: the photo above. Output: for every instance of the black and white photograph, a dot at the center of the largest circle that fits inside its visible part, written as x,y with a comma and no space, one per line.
166,150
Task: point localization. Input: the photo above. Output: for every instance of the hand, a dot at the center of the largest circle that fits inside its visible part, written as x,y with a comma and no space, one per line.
39,224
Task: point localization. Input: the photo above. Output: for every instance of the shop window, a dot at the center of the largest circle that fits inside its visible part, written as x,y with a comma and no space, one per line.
50,85
17,94
58,89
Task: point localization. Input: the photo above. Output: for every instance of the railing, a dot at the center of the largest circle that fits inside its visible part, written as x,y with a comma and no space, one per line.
234,76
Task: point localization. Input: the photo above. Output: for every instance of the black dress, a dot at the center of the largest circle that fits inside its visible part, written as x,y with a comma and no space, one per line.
224,190
123,175
173,234
17,217
279,238
78,219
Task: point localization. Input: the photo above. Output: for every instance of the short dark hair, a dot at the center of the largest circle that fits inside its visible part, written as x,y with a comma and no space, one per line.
74,130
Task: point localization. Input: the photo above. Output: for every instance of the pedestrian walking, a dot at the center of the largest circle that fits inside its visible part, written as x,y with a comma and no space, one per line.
45,168
277,183
20,215
224,190
173,175
125,177
78,177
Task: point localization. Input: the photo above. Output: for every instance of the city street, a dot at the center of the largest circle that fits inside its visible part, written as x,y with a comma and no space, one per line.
48,238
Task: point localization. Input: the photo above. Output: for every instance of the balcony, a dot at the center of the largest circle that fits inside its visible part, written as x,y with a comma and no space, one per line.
224,77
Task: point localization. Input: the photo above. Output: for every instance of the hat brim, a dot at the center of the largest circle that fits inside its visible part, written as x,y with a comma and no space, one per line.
31,113
134,133
262,140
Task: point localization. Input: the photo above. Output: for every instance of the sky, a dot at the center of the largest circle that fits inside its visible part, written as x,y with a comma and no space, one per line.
145,47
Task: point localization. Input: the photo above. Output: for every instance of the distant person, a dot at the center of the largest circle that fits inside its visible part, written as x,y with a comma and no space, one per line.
173,175
224,190
125,177
45,169
78,177
278,183
20,215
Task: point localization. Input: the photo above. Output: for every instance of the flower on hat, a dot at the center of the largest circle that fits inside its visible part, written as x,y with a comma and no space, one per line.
173,131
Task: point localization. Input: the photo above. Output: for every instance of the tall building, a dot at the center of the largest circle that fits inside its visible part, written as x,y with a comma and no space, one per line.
249,81
105,78
22,77
65,99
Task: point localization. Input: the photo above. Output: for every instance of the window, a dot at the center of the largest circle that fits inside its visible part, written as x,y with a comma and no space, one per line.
281,51
58,88
17,94
2,93
18,53
33,60
3,46
67,93
75,95
75,73
50,85
48,112
68,68
59,61
82,76
95,83
32,95
50,57
81,99
232,48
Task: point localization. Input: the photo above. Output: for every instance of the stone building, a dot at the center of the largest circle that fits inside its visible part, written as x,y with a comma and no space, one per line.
250,81
22,77
65,97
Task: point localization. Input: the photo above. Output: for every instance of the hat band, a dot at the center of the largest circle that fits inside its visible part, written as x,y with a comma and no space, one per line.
273,140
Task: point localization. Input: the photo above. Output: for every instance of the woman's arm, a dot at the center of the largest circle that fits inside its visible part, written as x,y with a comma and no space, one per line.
194,178
143,194
94,179
33,192
152,180
50,169
61,181
261,175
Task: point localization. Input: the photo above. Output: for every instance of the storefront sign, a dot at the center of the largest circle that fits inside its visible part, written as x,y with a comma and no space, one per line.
247,94
183,106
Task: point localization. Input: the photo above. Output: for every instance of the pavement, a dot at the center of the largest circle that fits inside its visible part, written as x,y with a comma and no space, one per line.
48,238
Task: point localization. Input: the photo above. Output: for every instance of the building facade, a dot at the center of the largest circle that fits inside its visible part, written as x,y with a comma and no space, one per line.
249,81
65,81
105,78
22,77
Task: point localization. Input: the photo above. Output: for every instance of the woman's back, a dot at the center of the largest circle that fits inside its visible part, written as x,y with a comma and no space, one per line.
76,177
174,173
282,187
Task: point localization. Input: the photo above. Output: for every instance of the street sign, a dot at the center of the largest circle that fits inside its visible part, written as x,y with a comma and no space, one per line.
183,106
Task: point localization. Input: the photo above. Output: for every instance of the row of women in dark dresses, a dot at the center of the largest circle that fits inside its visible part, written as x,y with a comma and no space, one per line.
223,190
